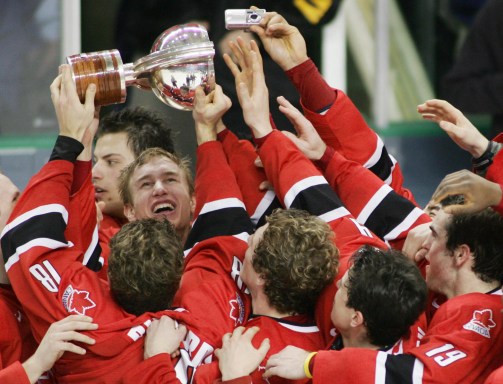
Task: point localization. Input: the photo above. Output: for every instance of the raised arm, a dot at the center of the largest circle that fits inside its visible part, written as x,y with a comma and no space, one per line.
335,117
39,224
373,203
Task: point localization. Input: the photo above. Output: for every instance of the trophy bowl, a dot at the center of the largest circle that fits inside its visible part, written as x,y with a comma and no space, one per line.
181,59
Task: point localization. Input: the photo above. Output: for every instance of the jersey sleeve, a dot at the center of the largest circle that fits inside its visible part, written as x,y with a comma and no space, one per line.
220,210
36,245
495,170
211,286
299,184
372,202
241,156
14,373
221,225
343,128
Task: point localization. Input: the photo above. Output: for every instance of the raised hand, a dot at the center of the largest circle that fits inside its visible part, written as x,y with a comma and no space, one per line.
251,89
478,193
238,357
455,124
307,139
208,112
76,120
282,41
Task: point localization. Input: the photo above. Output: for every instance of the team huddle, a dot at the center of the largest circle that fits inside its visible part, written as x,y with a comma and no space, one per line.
294,258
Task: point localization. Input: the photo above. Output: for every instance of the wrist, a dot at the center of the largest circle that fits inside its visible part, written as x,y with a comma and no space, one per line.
483,162
205,133
261,130
479,148
32,369
294,62
309,364
220,126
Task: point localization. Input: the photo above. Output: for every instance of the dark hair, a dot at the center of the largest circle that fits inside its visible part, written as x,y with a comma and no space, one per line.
483,233
389,291
144,129
297,258
145,265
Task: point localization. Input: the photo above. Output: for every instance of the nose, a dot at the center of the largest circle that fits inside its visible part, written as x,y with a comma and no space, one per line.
97,174
159,188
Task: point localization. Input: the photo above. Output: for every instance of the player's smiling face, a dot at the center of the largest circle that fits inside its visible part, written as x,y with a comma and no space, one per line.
159,189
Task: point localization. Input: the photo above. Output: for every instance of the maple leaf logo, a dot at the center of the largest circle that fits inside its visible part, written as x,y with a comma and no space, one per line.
237,311
481,323
79,302
234,312
484,318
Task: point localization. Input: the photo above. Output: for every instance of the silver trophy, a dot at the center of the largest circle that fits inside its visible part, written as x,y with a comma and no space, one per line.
181,59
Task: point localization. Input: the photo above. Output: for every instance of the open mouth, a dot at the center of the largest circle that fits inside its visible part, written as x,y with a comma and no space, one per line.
165,207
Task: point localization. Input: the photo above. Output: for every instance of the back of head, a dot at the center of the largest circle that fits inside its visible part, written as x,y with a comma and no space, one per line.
388,290
144,128
482,232
297,258
145,266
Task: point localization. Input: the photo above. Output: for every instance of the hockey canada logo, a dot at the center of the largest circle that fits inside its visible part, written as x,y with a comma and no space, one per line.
76,301
481,323
237,312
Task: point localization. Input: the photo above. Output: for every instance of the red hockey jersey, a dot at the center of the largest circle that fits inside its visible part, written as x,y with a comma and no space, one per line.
294,330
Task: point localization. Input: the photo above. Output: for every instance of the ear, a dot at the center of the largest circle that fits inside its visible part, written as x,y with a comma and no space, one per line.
129,212
192,205
357,319
260,280
462,254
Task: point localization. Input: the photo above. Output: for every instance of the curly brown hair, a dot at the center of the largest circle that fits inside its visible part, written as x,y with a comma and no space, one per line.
145,265
297,258
147,155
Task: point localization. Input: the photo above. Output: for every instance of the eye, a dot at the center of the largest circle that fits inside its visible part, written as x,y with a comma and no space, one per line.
146,184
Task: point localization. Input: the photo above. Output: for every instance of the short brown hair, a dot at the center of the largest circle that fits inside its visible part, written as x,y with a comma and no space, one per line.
145,265
297,258
147,155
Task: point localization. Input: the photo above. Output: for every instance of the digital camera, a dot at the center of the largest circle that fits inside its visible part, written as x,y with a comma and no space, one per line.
242,18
